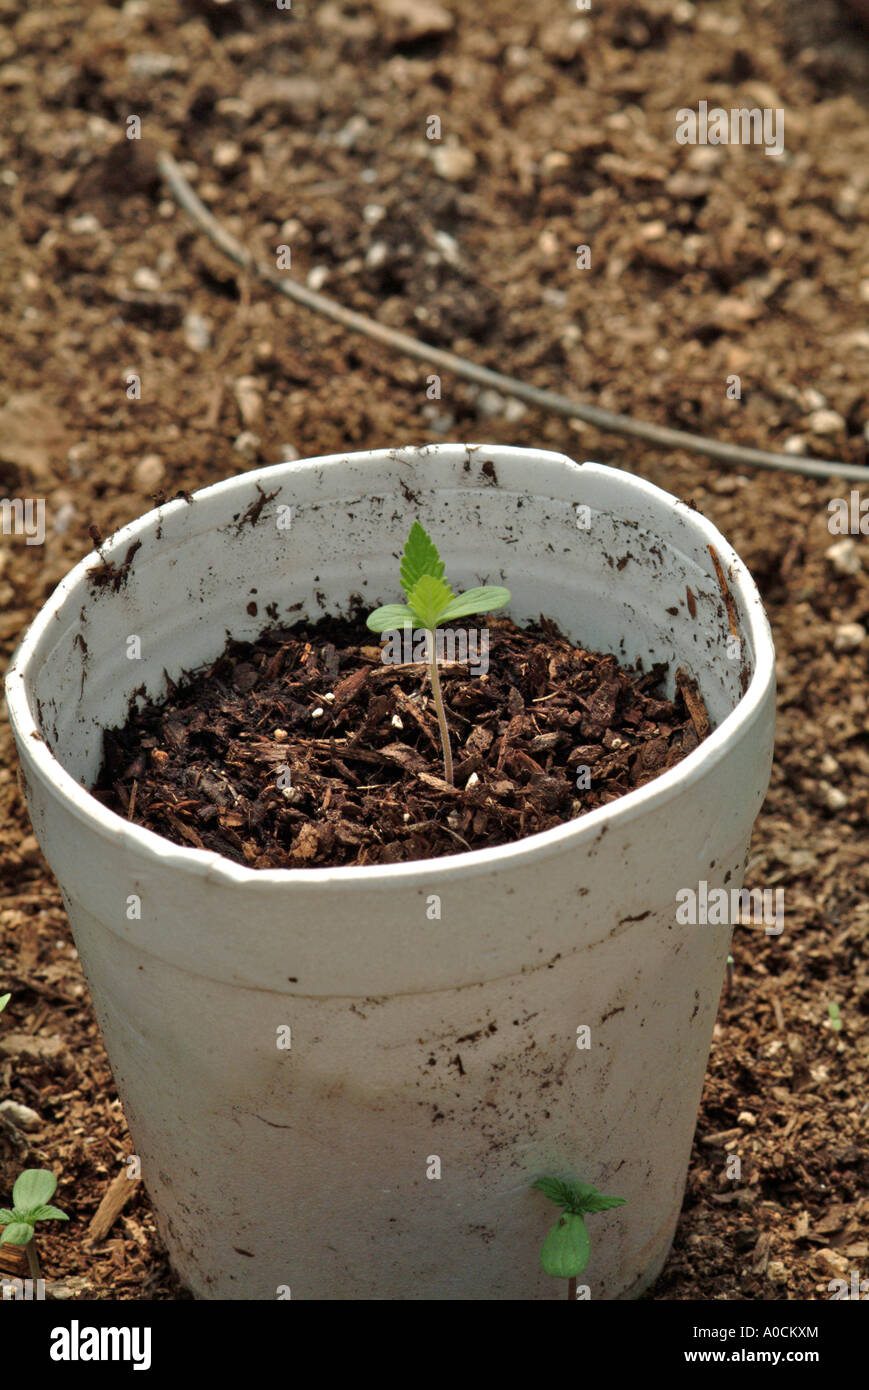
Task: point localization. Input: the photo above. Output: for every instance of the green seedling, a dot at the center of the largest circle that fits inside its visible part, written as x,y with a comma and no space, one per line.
565,1251
4,1000
31,1192
430,603
835,1017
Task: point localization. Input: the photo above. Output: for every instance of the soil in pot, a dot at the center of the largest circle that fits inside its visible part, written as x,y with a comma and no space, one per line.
304,750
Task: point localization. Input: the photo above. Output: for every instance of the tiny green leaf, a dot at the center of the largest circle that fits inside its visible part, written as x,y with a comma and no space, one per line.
47,1214
598,1202
482,600
561,1193
428,599
566,1249
33,1188
835,1017
420,557
19,1233
4,1000
389,617
7,1216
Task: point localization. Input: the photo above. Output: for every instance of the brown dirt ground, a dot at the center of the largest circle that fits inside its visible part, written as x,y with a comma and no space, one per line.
705,262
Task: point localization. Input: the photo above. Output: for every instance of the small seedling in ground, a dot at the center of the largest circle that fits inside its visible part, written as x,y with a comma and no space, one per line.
4,1000
835,1017
430,603
565,1251
31,1192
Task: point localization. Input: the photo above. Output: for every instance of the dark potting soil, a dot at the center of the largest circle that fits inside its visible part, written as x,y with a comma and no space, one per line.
303,749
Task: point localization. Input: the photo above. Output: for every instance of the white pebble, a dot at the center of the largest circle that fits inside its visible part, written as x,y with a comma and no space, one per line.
247,444
21,1116
834,799
197,332
826,422
843,557
848,637
149,472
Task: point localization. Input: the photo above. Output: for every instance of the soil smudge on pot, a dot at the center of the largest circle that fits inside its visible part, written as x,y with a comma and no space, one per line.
303,749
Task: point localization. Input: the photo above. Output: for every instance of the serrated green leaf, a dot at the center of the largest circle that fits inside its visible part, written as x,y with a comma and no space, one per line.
389,617
561,1193
566,1249
7,1216
482,600
575,1196
598,1202
420,557
47,1214
19,1233
33,1188
428,599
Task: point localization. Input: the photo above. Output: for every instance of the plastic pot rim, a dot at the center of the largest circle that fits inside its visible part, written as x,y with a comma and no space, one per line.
79,802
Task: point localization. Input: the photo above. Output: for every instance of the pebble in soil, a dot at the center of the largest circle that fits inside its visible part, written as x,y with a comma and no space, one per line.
303,749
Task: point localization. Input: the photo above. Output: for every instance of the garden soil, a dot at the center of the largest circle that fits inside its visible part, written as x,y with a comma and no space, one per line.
726,294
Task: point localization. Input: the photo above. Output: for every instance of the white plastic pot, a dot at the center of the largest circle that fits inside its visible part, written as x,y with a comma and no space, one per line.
412,1038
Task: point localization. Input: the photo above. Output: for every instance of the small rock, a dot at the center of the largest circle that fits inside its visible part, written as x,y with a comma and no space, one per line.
296,96
844,557
33,1047
746,1118
85,225
407,21
834,798
811,399
848,637
247,444
376,255
795,444
146,279
149,473
441,421
249,401
317,277
350,134
491,405
289,453
197,332
20,1115
777,1272
227,155
826,422
448,247
453,162
831,1262
150,66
